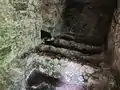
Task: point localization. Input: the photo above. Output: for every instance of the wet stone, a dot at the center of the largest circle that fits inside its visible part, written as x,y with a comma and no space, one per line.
70,75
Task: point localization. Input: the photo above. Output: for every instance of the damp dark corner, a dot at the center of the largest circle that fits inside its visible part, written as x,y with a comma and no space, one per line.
88,20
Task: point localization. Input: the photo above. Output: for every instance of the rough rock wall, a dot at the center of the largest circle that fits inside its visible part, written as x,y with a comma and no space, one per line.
21,22
29,18
75,65
115,38
114,43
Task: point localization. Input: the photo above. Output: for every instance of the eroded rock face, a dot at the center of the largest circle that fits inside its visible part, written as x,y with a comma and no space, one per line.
74,59
114,43
116,38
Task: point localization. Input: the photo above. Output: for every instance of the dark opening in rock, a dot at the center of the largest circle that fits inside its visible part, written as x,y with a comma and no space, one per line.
40,81
88,20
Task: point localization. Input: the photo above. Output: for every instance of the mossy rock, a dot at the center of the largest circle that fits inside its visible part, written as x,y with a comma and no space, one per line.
20,6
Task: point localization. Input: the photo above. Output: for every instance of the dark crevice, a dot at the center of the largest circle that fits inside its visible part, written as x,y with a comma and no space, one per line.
90,19
36,78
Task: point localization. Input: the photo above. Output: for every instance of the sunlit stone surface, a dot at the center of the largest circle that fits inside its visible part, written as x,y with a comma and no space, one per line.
73,76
